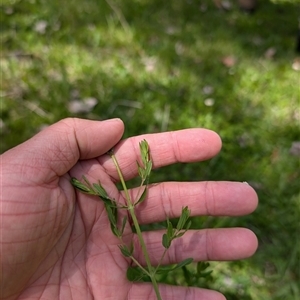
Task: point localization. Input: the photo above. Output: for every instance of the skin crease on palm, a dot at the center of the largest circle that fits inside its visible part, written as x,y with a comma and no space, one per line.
57,243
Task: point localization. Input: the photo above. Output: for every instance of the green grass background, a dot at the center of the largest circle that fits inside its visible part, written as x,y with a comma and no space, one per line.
167,65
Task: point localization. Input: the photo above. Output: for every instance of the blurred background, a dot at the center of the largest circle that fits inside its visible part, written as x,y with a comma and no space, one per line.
168,65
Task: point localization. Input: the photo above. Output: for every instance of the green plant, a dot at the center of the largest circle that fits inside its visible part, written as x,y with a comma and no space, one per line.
156,78
140,272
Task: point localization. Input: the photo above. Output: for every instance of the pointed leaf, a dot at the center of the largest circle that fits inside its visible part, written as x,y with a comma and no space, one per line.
127,252
185,213
183,263
112,214
115,230
141,170
101,191
170,229
180,234
148,168
123,224
142,197
80,186
165,269
188,226
88,184
144,150
166,241
169,268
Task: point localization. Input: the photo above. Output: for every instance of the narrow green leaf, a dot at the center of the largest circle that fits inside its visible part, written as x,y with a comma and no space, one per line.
112,214
115,231
165,269
80,186
127,252
136,274
185,214
141,170
148,168
145,156
108,202
142,197
144,150
188,225
169,268
123,224
180,234
124,250
166,241
170,229
183,263
100,190
88,184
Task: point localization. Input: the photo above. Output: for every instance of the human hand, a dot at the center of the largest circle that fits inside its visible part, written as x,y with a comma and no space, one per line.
57,243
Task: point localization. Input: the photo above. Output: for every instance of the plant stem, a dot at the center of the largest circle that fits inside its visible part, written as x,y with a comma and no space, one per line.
161,259
151,270
145,252
127,196
140,266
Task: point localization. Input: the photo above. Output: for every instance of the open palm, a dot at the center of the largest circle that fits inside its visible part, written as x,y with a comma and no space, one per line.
57,244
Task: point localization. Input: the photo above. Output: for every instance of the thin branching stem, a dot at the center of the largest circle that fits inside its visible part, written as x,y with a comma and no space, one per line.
151,271
161,260
112,207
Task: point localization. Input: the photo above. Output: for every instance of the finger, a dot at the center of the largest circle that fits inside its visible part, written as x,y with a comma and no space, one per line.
202,198
169,292
201,245
60,146
188,145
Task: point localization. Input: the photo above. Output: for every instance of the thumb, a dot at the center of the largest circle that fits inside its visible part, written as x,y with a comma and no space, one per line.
58,147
